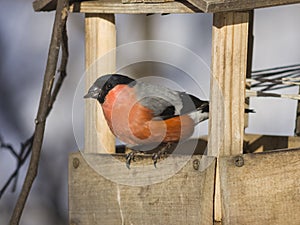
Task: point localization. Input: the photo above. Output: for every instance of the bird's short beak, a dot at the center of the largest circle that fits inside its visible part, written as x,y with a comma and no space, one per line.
93,93
88,95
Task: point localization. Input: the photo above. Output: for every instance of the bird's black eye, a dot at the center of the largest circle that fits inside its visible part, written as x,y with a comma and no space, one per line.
108,86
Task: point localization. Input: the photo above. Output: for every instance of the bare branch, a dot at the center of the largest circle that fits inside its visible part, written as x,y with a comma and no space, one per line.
26,147
46,101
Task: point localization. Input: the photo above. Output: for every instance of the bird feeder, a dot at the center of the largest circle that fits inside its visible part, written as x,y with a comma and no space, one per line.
235,188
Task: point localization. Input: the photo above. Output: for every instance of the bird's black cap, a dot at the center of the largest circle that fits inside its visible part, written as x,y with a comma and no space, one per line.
105,83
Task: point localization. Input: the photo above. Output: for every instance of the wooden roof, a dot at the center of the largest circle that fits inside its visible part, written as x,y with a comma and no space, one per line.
160,6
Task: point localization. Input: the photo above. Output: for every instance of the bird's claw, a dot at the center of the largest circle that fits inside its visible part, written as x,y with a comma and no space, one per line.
155,157
130,157
159,154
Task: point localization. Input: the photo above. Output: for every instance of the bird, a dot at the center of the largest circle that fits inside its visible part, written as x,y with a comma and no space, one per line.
140,113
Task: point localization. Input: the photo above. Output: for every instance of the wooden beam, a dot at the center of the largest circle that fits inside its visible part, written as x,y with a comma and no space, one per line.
44,5
184,198
249,63
297,122
145,1
100,41
116,6
227,95
214,6
261,188
229,67
263,143
237,5
161,6
254,143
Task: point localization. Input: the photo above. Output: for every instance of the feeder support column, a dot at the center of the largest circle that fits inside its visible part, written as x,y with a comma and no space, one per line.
100,59
227,97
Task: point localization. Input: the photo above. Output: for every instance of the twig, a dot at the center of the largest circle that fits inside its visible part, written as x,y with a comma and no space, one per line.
27,145
251,93
8,147
21,157
44,105
275,78
275,70
63,67
285,81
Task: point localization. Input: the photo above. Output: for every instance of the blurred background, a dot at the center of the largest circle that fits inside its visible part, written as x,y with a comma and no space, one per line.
24,42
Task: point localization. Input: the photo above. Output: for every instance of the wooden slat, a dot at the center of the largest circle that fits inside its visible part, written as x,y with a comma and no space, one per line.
100,39
44,5
263,143
265,190
146,1
184,198
229,67
116,6
297,122
237,5
249,62
227,95
254,143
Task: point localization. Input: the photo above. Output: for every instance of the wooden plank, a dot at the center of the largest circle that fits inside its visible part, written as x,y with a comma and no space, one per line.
249,63
265,189
254,143
116,6
227,95
145,1
229,67
44,5
157,1
214,6
138,6
184,198
100,40
297,122
237,5
262,143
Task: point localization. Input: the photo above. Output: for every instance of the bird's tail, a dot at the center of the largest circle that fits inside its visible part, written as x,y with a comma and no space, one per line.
202,110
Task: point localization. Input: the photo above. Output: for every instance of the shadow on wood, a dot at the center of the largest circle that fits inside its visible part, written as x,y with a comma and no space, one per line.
184,198
192,146
261,143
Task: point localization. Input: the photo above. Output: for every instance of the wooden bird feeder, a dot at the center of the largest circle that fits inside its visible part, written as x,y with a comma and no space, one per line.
236,188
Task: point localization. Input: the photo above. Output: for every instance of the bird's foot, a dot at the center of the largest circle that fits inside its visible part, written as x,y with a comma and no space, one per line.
130,157
161,153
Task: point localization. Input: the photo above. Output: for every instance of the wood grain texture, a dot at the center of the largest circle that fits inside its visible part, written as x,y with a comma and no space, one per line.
262,143
214,6
157,6
44,5
297,122
146,1
227,95
249,63
237,5
265,190
116,6
184,198
100,59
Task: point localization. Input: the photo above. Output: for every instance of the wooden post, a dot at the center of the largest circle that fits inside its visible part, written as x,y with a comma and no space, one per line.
249,62
227,96
100,40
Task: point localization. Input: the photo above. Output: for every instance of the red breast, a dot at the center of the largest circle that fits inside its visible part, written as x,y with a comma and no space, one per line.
133,123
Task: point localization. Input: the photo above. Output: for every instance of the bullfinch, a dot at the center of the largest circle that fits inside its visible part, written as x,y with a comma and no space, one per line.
140,113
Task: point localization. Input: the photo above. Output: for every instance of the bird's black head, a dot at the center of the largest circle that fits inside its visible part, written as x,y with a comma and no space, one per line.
105,83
